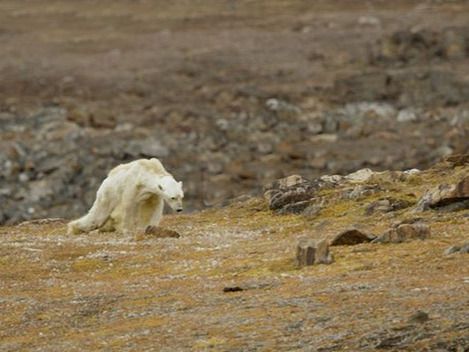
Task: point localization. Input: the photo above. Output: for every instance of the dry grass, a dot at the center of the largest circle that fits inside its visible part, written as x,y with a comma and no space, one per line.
101,291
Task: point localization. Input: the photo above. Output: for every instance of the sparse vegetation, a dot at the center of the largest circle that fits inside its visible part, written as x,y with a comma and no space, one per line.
101,291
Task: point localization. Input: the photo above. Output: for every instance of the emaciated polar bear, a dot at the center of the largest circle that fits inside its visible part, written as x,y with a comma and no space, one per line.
131,198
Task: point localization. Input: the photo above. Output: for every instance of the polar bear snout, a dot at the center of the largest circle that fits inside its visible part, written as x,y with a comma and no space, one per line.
175,204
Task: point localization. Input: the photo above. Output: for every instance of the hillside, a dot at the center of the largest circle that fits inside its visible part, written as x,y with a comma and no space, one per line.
230,281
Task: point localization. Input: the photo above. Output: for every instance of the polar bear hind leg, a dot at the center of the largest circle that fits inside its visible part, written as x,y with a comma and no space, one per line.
96,217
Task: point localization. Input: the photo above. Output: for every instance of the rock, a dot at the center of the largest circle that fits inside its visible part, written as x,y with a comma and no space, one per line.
324,138
457,160
23,177
295,207
280,105
406,115
314,208
351,237
464,249
290,194
390,342
359,176
419,317
311,252
232,289
386,205
452,250
288,199
314,127
160,232
361,191
445,195
404,232
421,45
299,196
360,111
411,172
332,179
288,182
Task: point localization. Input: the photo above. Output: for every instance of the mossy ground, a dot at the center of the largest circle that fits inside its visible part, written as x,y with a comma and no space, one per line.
100,291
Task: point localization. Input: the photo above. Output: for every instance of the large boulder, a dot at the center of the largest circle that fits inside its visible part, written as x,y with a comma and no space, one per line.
309,252
449,196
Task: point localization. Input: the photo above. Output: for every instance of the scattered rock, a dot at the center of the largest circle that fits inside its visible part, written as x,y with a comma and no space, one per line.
324,138
464,249
160,232
451,250
361,191
332,179
292,194
311,252
457,160
232,289
421,45
359,176
287,182
386,205
419,317
445,195
406,115
390,342
404,232
351,237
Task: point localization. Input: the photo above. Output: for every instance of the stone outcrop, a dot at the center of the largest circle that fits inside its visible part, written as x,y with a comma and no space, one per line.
311,252
351,237
404,232
446,196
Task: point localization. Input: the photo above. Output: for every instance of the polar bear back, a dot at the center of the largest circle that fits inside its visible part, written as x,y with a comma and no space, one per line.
152,165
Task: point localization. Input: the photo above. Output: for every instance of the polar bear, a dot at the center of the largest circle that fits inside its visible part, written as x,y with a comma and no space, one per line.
131,198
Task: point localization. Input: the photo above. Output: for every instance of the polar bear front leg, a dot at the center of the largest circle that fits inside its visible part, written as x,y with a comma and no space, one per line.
157,213
130,212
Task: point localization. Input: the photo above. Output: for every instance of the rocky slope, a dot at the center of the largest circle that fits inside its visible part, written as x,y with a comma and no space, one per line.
230,281
264,91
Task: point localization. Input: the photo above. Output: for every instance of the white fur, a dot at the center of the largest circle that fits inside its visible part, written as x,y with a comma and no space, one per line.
131,198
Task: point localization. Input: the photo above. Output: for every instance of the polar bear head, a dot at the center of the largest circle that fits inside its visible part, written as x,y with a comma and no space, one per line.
171,191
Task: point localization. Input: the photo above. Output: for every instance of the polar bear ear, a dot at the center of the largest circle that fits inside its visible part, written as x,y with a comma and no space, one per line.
180,183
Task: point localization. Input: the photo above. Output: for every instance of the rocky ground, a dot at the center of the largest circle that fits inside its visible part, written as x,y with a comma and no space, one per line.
230,281
349,99
229,94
